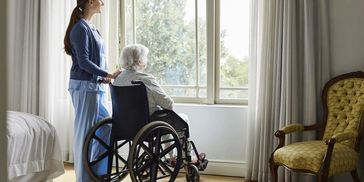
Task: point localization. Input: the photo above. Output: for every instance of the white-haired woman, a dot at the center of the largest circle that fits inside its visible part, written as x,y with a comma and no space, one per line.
134,61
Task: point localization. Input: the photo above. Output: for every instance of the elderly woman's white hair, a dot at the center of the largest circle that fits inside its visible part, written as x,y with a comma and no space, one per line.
134,57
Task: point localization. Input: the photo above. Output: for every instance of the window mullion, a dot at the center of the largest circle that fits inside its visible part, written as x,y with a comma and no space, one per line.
122,41
134,21
217,51
197,51
210,21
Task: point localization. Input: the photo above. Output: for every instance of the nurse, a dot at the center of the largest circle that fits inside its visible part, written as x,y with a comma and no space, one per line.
87,49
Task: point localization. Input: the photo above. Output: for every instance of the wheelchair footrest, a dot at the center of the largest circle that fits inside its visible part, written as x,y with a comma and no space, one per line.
202,165
201,162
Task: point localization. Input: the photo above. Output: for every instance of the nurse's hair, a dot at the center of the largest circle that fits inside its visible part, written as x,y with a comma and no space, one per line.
134,57
77,14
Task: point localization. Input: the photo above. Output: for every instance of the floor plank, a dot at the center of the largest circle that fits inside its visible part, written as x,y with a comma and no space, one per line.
69,176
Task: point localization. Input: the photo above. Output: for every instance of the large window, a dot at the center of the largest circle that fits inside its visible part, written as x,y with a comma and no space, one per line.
198,48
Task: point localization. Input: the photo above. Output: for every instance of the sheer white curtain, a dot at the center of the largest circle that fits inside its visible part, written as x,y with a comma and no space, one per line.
289,64
38,70
54,102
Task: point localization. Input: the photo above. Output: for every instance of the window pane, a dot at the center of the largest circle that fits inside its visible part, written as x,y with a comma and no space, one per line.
202,43
233,94
181,92
167,28
234,42
128,22
202,93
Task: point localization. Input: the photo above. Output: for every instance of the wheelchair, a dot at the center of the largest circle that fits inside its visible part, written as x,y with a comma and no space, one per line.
148,148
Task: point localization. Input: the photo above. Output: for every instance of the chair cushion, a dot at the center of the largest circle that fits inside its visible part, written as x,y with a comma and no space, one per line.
345,102
309,155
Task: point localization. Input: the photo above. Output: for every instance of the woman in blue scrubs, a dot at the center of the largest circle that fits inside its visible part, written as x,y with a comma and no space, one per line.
87,49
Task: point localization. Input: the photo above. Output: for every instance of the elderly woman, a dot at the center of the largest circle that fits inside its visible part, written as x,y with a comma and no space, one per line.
134,61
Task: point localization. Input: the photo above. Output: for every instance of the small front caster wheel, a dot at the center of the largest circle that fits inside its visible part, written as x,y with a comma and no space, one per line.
192,174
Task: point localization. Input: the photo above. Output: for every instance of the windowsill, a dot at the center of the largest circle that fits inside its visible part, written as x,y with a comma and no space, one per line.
212,105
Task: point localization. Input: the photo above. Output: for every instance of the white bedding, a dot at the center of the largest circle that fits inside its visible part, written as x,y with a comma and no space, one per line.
34,152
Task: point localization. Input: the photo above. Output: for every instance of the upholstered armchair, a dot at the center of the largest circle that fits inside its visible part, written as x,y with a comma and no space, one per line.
336,150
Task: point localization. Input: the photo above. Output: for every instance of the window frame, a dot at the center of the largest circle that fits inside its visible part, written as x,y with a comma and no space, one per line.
213,54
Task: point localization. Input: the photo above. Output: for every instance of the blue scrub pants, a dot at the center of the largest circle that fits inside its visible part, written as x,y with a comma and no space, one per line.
89,105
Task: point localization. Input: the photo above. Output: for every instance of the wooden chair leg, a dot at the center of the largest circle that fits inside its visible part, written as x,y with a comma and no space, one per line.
354,175
323,175
274,171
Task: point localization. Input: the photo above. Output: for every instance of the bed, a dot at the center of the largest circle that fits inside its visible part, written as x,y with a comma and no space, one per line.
34,152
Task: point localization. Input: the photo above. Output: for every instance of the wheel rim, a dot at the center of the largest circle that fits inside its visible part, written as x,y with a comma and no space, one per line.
151,147
108,156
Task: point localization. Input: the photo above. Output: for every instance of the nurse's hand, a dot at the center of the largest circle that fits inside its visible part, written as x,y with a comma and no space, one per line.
116,73
105,80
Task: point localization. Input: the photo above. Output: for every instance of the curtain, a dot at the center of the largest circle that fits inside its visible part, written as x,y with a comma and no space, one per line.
289,64
38,70
23,47
54,102
38,67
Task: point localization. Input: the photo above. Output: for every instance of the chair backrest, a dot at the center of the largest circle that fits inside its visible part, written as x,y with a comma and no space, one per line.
343,101
130,111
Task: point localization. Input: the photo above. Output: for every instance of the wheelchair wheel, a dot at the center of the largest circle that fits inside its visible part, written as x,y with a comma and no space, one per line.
104,164
152,148
192,174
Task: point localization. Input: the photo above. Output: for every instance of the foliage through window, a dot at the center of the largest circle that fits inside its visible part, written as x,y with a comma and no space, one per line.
198,48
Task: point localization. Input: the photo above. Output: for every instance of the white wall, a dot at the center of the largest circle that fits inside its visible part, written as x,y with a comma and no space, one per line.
3,163
220,132
346,35
347,47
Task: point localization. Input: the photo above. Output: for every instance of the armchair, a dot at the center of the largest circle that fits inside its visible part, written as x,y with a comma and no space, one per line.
337,147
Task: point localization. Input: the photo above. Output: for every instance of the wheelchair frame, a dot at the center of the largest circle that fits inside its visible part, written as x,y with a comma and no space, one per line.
146,142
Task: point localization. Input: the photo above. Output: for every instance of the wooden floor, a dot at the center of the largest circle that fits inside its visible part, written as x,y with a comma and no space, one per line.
69,176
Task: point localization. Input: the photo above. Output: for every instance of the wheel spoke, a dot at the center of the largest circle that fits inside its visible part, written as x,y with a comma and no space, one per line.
121,158
167,150
165,167
146,149
122,144
140,159
144,166
106,146
99,158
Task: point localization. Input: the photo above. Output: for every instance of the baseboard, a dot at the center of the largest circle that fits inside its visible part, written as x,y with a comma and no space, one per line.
225,168
221,167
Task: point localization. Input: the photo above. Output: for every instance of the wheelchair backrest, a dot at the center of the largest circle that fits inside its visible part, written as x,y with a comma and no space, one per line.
130,111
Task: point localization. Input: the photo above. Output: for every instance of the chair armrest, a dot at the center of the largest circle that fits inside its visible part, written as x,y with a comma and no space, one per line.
295,127
344,136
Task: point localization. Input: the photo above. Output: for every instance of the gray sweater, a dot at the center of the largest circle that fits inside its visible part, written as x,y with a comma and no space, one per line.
157,98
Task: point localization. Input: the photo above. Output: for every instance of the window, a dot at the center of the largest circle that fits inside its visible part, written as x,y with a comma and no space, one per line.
198,48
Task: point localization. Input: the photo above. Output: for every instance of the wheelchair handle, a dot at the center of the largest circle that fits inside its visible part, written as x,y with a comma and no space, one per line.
137,82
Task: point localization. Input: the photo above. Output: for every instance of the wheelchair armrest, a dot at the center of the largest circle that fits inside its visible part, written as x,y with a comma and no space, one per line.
161,113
